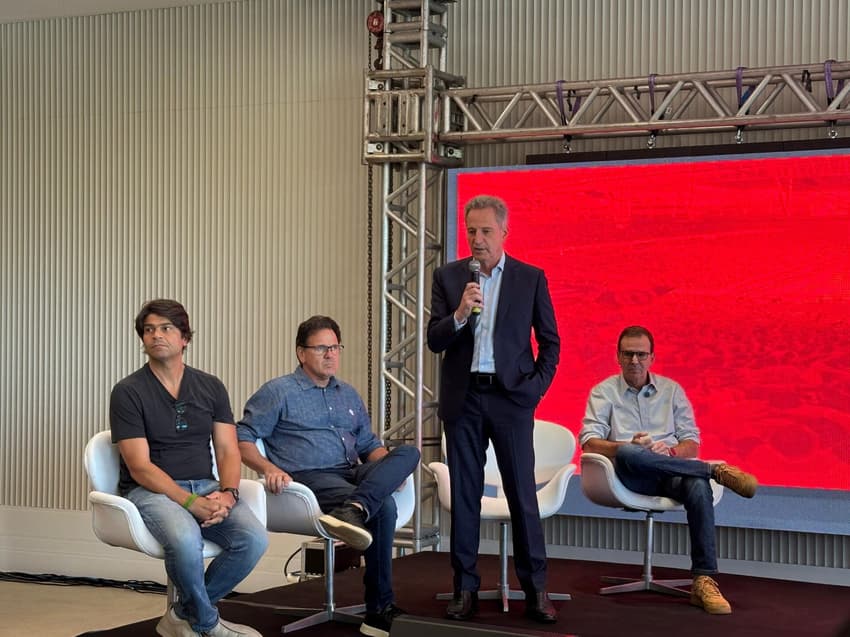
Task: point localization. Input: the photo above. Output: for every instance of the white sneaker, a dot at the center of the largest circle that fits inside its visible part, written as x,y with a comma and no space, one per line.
172,626
229,629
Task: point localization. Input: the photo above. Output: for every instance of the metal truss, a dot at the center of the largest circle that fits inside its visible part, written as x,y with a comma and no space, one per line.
413,39
414,33
399,119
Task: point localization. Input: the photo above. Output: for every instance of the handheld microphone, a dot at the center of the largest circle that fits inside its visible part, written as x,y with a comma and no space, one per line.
475,277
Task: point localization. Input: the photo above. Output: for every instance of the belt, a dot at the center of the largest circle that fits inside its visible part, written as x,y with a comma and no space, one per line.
481,379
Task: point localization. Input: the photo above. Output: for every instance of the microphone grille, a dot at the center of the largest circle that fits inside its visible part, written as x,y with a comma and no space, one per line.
474,265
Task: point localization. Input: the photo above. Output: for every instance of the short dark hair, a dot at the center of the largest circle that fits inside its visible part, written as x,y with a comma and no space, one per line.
172,310
313,325
636,331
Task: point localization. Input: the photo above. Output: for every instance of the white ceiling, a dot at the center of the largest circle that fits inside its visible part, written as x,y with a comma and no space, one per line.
17,10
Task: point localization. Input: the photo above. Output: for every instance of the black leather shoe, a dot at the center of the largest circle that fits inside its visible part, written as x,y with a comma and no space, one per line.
348,524
464,605
540,608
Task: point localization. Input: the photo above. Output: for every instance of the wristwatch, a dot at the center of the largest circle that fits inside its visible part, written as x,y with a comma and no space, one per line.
233,491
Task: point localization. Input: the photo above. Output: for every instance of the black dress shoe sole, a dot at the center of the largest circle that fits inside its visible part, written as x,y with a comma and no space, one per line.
460,615
541,618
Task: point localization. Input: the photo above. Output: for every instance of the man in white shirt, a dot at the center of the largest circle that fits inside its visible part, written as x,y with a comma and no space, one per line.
645,423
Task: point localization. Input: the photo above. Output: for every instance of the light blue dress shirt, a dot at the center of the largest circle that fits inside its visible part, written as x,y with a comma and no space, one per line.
616,411
483,358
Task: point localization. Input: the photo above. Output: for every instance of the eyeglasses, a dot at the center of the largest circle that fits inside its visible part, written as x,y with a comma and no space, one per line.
180,423
321,350
627,355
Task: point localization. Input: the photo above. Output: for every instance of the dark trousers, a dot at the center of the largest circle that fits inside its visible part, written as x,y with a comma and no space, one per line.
489,415
682,479
372,485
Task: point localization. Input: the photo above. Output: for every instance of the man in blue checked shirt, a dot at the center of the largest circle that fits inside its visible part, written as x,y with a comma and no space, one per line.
316,431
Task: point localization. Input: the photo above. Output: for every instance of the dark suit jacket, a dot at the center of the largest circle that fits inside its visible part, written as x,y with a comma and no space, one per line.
524,305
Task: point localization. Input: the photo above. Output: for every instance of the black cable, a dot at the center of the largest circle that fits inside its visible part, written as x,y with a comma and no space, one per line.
65,580
286,572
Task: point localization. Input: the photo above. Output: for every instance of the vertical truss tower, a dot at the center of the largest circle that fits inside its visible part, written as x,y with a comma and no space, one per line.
402,105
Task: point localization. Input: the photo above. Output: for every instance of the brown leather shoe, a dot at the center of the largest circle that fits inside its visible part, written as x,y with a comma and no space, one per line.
463,606
706,595
540,608
741,482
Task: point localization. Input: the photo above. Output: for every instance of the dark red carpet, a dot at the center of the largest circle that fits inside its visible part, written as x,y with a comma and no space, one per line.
761,607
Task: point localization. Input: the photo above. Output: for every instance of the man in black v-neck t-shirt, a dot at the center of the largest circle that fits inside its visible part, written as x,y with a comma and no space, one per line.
168,419
182,452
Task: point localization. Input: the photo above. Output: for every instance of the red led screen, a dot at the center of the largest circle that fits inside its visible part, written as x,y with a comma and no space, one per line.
740,268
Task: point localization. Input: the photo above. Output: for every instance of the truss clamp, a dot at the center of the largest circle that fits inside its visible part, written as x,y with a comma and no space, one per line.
450,151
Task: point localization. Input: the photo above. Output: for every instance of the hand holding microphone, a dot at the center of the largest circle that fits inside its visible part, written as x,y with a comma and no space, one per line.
475,277
470,303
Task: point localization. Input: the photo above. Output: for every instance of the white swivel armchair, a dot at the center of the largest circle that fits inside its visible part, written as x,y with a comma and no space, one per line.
116,520
602,486
296,510
554,447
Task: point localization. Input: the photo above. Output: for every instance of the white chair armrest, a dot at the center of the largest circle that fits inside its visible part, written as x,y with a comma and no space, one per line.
598,480
116,521
253,494
293,510
716,489
551,496
405,500
440,471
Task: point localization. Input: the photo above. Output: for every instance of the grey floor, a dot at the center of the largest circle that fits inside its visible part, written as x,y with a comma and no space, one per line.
65,611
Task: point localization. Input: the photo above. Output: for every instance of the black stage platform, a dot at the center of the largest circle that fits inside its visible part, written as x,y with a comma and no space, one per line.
761,607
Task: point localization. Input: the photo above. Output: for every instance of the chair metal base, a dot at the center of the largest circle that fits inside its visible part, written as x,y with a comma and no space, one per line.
309,616
316,616
504,592
630,585
646,582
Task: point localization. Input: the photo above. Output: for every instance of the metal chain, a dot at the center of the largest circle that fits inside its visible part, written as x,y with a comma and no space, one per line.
370,237
370,350
388,399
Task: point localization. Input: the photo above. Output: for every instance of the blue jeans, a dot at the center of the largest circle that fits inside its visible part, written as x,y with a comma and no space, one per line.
682,479
372,485
240,535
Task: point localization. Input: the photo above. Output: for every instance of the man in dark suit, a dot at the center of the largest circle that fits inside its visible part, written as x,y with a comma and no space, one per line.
490,385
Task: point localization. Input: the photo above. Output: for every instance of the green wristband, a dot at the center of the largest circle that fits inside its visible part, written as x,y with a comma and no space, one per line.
190,500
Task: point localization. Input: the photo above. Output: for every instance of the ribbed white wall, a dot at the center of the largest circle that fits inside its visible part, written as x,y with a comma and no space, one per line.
209,154
212,154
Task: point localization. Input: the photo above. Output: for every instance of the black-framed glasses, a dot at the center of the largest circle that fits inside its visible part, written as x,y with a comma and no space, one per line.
180,423
321,350
626,355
